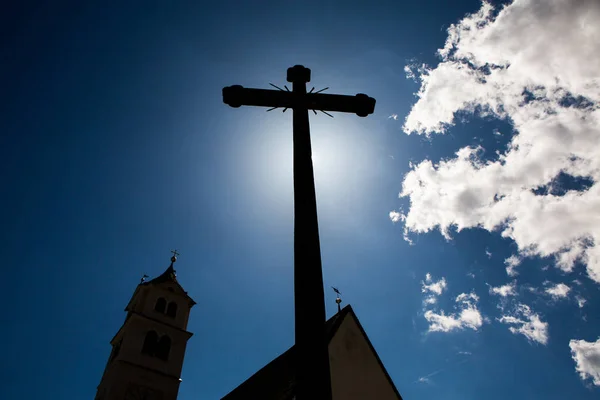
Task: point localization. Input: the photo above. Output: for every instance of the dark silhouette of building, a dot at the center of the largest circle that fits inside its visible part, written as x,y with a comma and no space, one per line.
148,350
357,373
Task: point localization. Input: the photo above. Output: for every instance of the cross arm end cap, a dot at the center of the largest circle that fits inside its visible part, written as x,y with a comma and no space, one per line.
366,105
231,95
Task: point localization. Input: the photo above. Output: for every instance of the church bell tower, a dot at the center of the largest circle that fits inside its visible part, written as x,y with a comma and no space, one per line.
148,350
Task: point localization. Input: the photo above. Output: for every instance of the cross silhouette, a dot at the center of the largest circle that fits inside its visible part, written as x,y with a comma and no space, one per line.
313,379
175,253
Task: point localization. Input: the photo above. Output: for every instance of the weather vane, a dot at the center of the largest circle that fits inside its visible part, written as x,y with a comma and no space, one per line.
338,299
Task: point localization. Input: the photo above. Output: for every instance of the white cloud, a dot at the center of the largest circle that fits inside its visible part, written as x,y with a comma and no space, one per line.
467,298
580,301
531,326
532,289
512,263
427,378
409,73
488,253
440,322
394,117
587,359
429,286
505,290
469,316
413,70
520,65
395,216
558,291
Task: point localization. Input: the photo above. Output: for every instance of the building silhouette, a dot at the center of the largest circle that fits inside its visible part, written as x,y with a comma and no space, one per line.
357,373
148,350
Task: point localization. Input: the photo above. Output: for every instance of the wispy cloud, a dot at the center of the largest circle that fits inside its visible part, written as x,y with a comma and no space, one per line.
510,289
394,117
580,301
467,316
395,216
431,286
410,74
558,291
512,263
427,378
527,323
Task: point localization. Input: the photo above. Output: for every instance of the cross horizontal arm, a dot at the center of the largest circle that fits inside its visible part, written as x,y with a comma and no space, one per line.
360,104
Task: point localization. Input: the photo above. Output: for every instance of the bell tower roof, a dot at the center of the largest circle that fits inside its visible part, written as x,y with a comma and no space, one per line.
167,280
168,276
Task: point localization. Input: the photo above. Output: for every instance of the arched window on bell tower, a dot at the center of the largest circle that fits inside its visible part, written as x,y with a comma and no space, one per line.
163,348
160,305
172,309
150,343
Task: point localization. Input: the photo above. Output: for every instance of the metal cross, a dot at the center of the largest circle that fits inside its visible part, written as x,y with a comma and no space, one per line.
175,253
313,377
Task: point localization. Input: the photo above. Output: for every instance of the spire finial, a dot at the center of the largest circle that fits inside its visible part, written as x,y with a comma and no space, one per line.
338,300
175,254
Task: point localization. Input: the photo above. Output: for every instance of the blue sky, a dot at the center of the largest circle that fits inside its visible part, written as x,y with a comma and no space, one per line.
116,148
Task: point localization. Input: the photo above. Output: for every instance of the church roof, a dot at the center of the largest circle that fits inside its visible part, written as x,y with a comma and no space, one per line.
276,380
167,276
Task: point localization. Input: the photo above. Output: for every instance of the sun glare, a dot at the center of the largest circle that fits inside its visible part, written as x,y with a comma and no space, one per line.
343,156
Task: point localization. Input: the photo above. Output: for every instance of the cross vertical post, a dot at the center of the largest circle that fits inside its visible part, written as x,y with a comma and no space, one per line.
313,377
312,357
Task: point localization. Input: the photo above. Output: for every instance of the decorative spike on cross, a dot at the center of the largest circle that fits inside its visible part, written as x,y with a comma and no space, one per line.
237,96
313,378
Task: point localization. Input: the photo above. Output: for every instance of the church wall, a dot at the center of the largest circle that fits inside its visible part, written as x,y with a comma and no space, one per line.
186,318
355,371
133,342
127,376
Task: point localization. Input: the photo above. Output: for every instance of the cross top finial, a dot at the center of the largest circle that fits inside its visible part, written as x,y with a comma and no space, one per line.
175,254
298,74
